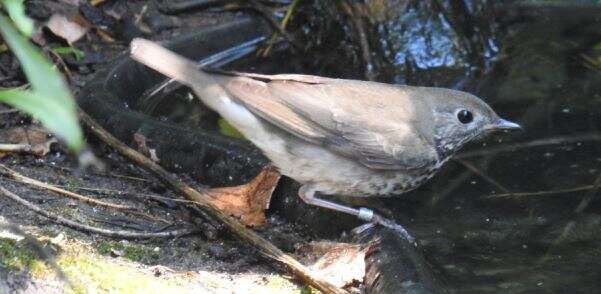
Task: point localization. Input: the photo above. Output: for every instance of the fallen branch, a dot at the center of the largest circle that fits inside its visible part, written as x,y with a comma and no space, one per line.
4,170
123,234
203,200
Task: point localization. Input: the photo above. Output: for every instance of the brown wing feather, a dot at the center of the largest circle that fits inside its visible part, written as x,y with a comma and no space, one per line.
363,120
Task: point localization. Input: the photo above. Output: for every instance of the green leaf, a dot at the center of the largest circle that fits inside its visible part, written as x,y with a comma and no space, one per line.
16,11
78,54
50,100
50,112
41,74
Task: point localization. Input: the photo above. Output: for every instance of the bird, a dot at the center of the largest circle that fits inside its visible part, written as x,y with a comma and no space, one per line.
337,136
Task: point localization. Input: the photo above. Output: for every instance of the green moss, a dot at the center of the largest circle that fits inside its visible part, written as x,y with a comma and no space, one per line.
90,273
17,256
130,251
105,247
72,182
308,290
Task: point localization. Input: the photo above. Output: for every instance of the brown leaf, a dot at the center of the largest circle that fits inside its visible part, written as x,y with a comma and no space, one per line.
142,143
248,202
33,139
341,264
69,28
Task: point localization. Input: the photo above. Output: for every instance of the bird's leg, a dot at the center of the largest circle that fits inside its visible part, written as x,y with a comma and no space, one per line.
307,194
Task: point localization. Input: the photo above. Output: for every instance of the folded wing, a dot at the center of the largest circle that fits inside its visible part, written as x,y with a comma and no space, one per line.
376,124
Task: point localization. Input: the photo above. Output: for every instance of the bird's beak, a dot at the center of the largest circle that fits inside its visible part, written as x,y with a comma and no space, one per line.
502,124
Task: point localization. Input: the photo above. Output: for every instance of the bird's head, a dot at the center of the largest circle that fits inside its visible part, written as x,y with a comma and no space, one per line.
460,117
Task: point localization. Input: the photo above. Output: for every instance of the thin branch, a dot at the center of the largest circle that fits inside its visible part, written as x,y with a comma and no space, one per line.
14,148
542,193
8,111
139,195
569,227
264,246
283,24
112,175
482,175
589,196
535,143
359,26
4,170
273,22
124,234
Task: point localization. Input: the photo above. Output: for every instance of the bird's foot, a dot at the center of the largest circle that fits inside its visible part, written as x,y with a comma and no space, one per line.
367,214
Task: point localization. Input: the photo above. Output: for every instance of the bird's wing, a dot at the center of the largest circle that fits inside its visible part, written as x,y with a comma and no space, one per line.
371,122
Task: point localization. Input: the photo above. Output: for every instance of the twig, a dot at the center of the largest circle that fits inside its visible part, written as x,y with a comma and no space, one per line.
265,12
587,199
534,143
26,180
455,183
265,247
359,27
81,227
8,111
14,148
284,24
482,175
100,173
62,62
139,195
541,193
596,186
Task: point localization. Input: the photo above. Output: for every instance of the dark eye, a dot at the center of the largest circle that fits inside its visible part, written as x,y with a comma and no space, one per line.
465,116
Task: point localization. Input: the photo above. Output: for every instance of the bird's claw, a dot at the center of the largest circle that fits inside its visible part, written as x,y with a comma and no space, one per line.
377,219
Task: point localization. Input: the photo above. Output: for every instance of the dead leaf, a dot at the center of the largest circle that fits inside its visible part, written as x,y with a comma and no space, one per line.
141,141
69,28
96,2
105,35
247,202
342,264
32,139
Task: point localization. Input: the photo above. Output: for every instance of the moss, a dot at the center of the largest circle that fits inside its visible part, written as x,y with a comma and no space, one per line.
72,182
130,251
278,282
308,290
18,256
105,247
90,273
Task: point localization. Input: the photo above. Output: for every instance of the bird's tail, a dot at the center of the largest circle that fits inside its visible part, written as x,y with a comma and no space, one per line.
169,63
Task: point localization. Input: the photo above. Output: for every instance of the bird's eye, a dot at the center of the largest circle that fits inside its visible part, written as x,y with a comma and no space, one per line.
465,116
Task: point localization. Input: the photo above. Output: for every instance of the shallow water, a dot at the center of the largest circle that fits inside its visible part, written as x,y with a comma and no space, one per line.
536,64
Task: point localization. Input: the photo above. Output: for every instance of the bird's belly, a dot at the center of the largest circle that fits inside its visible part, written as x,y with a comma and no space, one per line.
328,172
333,174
